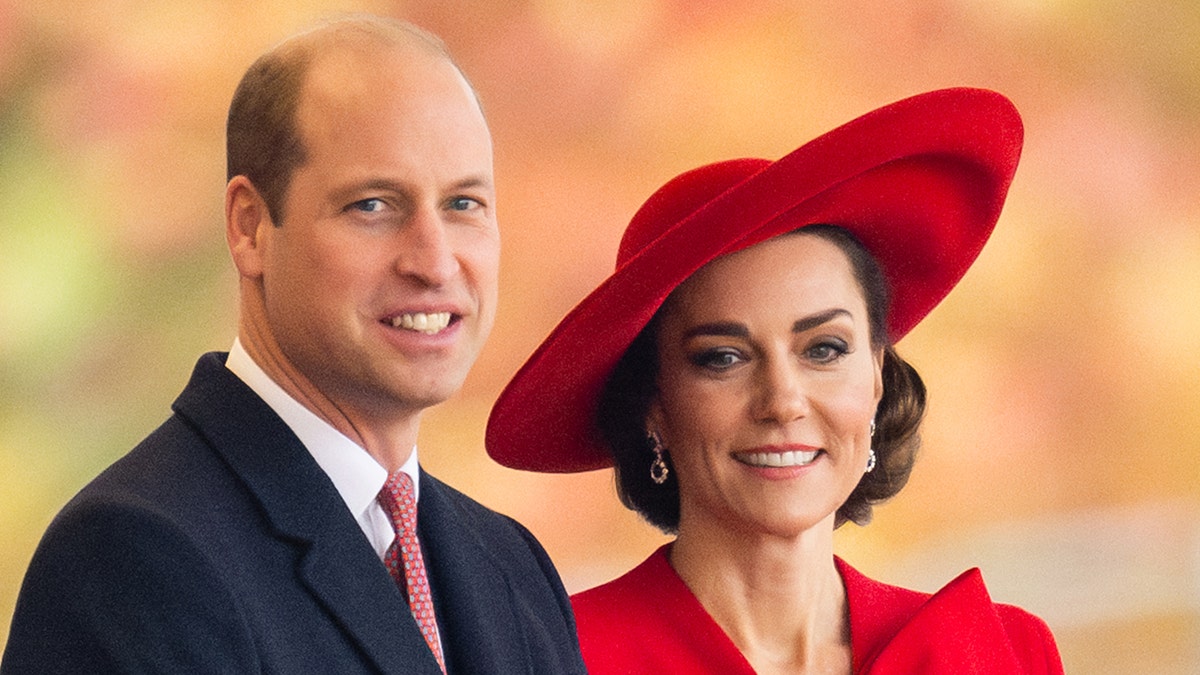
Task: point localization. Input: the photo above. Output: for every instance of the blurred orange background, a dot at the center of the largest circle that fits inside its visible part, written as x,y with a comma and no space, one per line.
1062,449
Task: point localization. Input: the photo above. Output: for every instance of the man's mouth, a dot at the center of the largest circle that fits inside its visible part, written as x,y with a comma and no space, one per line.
429,323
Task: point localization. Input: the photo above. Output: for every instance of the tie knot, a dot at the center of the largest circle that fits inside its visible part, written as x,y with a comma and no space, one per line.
399,502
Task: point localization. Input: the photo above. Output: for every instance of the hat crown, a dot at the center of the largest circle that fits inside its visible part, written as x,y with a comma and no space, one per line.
681,197
920,182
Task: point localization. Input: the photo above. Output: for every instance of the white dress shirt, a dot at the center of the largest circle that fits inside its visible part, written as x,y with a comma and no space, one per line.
355,473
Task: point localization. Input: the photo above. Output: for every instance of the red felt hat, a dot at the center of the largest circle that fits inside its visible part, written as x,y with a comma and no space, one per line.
920,182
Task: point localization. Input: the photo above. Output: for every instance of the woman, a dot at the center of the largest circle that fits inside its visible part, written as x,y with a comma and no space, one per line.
738,371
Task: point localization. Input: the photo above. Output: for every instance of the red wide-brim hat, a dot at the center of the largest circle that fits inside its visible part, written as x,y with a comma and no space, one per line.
920,182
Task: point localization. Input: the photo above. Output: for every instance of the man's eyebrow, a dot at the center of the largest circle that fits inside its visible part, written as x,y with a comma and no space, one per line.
373,184
391,185
472,182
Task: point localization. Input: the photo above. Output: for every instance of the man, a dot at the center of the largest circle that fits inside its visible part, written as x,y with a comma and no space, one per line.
245,534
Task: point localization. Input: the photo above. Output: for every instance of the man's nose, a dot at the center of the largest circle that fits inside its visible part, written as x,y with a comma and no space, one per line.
424,249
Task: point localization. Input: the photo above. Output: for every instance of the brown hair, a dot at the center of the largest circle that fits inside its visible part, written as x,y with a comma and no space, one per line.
261,139
627,395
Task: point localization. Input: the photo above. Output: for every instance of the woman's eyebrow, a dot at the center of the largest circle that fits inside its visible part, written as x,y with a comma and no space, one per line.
718,328
734,329
810,322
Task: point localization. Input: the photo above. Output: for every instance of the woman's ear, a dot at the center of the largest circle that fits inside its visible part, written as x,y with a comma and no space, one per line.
654,419
879,355
246,220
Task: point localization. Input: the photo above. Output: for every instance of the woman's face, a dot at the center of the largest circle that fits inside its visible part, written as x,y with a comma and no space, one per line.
767,387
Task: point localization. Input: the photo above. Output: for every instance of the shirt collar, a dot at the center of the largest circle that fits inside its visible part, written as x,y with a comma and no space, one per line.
354,472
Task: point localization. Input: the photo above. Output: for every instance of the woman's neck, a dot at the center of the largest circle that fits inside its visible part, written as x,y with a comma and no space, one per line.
780,599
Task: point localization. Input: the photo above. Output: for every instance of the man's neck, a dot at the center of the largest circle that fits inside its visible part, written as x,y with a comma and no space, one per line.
389,442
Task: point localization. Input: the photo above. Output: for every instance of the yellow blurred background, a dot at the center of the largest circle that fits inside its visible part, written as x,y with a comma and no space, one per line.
1062,450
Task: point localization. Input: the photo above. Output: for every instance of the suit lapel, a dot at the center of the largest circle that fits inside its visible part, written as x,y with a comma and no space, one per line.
472,594
335,563
358,591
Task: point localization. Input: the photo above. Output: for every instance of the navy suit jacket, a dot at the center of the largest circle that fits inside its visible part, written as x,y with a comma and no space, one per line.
218,545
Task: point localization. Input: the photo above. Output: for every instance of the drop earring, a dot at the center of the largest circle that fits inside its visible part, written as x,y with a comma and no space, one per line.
658,468
871,456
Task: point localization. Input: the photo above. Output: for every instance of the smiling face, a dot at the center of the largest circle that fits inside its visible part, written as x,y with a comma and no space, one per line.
767,386
373,297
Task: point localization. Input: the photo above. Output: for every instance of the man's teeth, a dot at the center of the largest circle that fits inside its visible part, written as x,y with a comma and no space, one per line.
778,459
422,322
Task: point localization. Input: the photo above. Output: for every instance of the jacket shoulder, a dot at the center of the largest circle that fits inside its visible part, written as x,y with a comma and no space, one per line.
1032,639
112,560
957,629
486,522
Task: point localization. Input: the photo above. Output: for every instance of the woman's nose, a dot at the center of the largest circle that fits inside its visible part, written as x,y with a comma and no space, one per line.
782,396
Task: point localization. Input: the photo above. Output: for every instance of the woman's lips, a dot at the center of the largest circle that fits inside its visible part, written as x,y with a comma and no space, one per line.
778,459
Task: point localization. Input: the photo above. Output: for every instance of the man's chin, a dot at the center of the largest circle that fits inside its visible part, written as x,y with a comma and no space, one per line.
418,395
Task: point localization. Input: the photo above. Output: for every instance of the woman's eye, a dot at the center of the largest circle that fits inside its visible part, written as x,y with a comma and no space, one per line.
717,359
828,351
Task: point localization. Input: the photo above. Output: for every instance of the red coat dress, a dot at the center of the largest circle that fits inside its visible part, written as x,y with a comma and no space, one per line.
648,621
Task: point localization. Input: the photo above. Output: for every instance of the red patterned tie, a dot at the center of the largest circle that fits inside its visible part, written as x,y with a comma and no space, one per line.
403,557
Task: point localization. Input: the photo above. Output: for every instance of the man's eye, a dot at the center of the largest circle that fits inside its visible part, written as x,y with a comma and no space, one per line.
368,205
463,204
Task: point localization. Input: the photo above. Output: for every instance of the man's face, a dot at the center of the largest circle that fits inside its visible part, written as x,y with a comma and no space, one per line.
379,287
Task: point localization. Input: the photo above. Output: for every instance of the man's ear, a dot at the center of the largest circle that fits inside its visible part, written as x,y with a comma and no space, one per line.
246,220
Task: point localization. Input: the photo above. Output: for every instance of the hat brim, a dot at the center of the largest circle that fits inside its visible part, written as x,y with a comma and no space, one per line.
920,182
